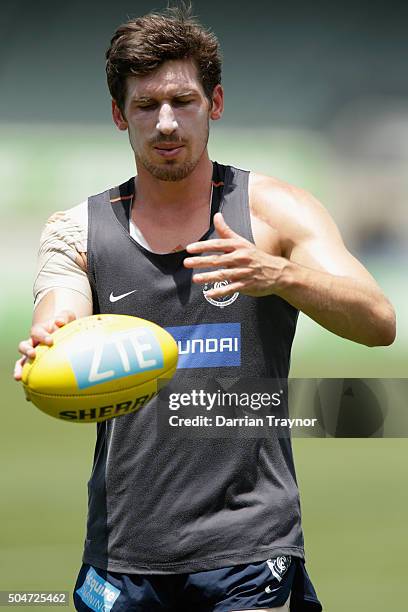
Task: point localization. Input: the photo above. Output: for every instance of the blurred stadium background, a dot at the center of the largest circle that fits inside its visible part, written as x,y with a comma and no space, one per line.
316,95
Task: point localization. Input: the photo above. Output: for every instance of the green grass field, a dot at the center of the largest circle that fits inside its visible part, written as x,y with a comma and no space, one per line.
353,497
353,492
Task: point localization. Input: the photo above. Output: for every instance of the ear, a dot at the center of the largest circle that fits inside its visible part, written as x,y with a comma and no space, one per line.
217,103
118,118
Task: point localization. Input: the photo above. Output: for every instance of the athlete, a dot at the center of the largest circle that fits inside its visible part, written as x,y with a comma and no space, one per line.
216,253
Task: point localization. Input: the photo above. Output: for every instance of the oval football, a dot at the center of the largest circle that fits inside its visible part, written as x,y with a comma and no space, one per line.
100,367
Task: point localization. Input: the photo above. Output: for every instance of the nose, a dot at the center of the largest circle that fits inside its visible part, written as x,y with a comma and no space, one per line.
167,121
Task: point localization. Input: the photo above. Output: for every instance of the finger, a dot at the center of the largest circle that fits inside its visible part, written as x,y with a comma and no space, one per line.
64,317
18,368
223,229
239,257
41,333
216,244
226,290
206,262
26,349
222,275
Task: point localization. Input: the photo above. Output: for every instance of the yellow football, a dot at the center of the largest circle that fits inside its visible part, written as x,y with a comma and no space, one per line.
100,367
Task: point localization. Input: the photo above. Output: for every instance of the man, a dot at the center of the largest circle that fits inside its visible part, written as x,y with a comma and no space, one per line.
200,524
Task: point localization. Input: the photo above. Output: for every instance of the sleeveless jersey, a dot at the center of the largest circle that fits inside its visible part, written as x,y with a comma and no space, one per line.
160,501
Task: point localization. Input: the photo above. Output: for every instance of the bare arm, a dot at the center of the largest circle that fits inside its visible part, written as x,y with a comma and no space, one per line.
57,308
58,300
327,283
314,271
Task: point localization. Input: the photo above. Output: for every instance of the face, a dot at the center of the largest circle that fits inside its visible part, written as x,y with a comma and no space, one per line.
167,116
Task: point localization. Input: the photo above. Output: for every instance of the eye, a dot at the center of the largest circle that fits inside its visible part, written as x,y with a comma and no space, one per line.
181,102
147,106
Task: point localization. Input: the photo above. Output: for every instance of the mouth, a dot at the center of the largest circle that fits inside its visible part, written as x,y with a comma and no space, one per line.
168,149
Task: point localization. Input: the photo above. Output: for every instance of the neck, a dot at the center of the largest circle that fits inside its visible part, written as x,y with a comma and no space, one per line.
188,193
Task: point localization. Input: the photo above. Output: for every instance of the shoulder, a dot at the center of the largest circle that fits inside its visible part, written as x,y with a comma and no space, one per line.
77,216
274,195
66,232
293,212
68,223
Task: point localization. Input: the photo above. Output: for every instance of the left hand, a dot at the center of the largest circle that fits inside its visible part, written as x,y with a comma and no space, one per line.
248,269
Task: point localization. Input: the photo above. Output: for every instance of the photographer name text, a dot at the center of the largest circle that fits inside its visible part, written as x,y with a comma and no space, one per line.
246,421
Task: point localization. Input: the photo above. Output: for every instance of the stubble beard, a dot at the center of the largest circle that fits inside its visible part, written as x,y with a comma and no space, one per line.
172,170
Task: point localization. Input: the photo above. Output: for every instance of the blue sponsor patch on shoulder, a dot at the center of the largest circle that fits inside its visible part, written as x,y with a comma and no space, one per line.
98,594
208,345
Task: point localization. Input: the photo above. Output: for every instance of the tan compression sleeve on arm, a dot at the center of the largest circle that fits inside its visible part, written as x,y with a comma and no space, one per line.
62,254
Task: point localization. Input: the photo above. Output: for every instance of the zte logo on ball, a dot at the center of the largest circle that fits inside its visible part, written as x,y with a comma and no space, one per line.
210,345
125,354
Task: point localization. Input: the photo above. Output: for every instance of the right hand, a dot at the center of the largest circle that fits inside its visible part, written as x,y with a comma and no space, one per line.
40,333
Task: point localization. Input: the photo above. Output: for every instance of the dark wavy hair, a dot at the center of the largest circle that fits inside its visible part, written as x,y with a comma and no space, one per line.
141,45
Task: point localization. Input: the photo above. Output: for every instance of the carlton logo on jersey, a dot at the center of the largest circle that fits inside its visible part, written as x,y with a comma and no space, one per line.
221,301
208,345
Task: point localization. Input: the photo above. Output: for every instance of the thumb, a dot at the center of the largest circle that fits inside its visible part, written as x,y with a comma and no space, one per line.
223,229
